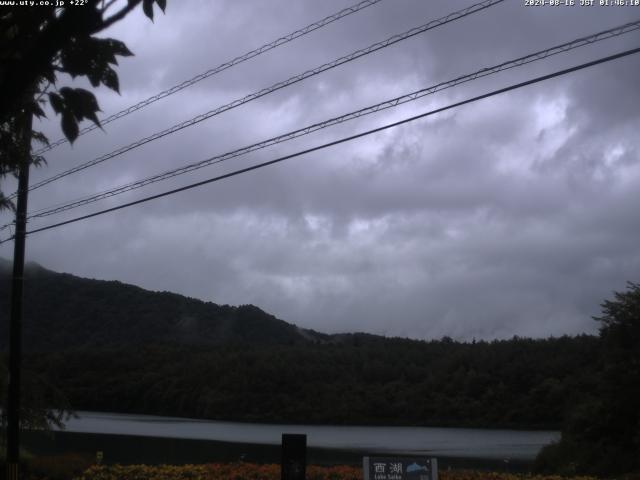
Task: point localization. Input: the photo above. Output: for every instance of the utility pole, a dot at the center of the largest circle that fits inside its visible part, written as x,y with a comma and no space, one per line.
17,282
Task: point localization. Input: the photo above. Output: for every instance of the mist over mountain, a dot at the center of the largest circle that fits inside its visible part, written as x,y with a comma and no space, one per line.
62,311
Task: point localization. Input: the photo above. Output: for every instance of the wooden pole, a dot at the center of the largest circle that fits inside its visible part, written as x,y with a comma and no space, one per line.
15,322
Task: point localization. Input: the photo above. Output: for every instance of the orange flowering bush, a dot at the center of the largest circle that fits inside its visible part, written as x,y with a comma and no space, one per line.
251,471
146,472
243,471
218,471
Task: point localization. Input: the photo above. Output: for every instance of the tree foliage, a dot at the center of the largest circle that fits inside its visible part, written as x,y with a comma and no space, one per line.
43,404
602,433
354,379
37,44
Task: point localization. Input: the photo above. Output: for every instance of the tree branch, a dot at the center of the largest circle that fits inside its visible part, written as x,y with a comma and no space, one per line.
120,15
107,6
43,91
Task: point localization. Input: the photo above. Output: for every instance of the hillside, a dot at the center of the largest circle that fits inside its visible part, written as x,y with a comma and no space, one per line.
115,347
63,311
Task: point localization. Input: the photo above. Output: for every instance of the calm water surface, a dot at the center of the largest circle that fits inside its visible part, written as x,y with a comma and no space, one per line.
447,442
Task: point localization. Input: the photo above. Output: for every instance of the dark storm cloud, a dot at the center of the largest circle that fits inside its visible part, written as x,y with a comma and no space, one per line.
515,215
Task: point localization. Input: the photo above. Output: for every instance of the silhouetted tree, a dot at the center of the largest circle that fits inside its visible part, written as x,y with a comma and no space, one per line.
36,45
602,434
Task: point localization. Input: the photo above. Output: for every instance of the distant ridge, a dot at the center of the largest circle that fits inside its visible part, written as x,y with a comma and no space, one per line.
63,312
112,347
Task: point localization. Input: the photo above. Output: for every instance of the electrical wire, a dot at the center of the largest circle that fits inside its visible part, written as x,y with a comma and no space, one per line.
220,68
342,140
277,86
391,103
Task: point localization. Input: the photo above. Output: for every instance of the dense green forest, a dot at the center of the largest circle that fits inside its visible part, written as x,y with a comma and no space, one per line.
361,380
108,346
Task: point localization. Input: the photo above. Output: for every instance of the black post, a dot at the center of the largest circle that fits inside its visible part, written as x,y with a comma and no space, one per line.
294,457
15,324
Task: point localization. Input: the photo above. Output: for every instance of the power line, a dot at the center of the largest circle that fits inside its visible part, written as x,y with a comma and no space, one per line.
277,86
540,55
220,68
565,47
342,140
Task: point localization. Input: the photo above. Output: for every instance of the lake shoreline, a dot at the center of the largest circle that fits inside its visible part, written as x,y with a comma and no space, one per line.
257,421
441,442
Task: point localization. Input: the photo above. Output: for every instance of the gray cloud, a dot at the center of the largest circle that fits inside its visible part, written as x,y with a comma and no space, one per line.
512,216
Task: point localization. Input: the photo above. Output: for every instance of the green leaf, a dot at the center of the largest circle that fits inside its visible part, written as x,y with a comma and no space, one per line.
94,77
69,126
110,80
36,110
56,102
162,4
81,103
49,75
88,104
147,7
38,161
91,57
40,137
72,105
118,47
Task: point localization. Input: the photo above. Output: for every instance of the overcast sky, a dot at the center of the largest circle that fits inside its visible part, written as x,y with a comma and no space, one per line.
515,215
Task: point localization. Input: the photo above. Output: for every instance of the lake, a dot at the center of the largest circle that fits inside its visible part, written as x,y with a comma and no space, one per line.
463,443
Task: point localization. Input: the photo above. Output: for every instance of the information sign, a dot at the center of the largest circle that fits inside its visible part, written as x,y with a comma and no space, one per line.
400,468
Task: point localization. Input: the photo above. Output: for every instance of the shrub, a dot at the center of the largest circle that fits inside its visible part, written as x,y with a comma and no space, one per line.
59,467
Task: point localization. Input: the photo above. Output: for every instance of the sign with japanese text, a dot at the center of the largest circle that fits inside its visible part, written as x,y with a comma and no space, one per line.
400,468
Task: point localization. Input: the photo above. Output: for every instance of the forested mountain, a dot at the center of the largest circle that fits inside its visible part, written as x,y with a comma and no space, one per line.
62,311
115,347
